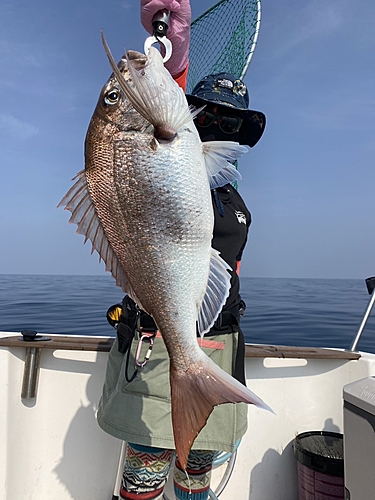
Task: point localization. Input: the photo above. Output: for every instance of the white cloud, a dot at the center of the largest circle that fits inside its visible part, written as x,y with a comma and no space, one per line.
17,128
340,111
314,20
126,5
20,53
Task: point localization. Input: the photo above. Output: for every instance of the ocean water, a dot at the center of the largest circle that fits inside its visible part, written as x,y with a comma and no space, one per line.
302,312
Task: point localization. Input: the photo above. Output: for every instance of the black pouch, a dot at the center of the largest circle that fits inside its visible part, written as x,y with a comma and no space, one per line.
127,325
127,319
146,323
125,336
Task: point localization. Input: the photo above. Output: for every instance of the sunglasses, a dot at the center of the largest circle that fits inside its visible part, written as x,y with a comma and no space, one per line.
227,123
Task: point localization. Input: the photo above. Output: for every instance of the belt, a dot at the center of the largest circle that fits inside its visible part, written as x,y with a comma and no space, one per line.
227,318
211,344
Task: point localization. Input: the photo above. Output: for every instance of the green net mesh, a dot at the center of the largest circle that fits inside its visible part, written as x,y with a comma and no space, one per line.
223,39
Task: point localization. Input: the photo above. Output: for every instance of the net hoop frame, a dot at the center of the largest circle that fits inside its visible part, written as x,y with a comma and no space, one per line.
254,6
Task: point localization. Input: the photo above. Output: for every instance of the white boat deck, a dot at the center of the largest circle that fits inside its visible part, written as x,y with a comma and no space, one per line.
52,447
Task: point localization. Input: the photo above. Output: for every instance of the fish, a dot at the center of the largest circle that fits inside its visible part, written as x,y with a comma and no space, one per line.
144,202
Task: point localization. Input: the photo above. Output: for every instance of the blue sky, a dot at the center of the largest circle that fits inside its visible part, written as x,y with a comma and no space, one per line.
309,183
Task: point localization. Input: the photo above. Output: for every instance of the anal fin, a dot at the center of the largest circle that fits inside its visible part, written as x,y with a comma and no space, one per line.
216,293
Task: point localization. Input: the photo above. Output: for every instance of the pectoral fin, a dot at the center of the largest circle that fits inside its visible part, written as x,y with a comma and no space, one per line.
218,155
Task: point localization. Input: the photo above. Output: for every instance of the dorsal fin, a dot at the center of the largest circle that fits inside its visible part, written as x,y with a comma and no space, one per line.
79,202
153,92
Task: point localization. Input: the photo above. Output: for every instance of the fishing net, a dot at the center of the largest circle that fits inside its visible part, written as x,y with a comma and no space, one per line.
223,39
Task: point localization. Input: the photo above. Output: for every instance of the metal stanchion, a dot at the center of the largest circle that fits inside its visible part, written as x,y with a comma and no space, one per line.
370,283
32,362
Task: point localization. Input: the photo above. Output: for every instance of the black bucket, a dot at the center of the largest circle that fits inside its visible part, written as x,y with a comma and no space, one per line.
320,462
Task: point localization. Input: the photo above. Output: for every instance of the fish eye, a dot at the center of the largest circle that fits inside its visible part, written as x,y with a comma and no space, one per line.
112,96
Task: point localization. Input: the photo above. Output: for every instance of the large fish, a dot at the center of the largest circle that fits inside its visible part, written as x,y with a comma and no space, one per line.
144,202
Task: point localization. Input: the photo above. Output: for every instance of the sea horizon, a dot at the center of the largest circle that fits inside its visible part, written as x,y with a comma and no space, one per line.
316,312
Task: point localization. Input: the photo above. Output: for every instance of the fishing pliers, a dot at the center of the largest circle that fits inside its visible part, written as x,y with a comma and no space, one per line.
160,23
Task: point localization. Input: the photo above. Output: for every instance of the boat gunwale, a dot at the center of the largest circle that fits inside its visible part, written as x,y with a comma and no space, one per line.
104,344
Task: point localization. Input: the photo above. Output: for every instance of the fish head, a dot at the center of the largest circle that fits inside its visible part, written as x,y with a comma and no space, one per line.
113,109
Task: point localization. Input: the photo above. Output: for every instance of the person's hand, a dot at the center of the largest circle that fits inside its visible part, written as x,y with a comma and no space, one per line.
178,31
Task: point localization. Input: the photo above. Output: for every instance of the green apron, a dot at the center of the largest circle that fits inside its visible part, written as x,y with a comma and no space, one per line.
140,411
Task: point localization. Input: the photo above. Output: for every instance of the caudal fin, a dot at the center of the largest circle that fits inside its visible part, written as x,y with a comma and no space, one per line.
195,393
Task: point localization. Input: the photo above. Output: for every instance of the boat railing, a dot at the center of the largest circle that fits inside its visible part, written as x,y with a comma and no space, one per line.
104,344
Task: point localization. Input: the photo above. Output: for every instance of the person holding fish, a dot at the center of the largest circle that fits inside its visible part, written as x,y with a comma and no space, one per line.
157,202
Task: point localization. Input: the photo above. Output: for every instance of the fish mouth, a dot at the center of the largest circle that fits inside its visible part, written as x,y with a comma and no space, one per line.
136,59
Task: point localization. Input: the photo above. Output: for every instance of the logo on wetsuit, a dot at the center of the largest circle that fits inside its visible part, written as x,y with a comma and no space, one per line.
241,217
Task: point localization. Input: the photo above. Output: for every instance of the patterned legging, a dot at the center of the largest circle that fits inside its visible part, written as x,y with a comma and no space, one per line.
146,472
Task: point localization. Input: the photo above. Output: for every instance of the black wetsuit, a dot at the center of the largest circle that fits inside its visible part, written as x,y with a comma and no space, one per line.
232,222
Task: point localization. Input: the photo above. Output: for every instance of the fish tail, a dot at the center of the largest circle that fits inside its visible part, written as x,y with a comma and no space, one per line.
195,393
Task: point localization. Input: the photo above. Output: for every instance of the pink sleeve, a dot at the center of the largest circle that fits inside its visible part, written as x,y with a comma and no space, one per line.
181,78
178,31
